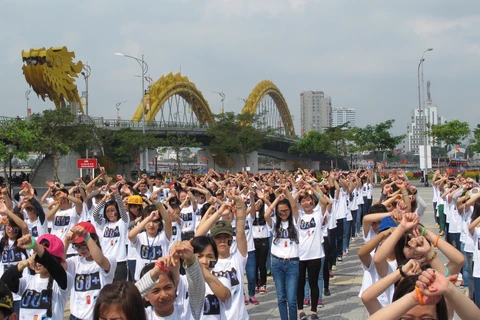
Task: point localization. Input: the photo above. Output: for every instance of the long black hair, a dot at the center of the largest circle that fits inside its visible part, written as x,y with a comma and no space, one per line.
146,212
260,221
291,229
108,204
407,285
4,240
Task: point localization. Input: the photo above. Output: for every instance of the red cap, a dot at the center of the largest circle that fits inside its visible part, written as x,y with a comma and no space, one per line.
88,227
55,247
171,184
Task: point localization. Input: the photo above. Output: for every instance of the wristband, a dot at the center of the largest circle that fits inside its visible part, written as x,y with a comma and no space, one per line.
447,273
87,237
423,231
34,242
419,296
161,267
405,194
435,244
240,218
434,255
319,196
401,271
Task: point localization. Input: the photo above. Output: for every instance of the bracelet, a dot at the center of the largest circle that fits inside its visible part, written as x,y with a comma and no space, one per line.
240,218
447,273
87,237
161,267
399,268
34,242
423,231
435,244
419,296
405,194
319,196
434,255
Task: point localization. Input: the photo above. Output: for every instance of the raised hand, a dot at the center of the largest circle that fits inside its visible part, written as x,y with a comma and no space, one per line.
433,283
25,241
409,220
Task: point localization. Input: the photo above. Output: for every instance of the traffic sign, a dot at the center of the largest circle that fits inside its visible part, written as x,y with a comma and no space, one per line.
86,163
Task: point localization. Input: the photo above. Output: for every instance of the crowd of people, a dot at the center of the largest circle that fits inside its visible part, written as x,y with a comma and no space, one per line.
181,247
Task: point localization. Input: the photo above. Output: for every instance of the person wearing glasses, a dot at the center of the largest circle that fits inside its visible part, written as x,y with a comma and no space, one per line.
91,269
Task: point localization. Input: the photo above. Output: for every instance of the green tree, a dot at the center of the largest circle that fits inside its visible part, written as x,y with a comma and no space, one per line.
60,133
475,143
180,144
376,138
125,145
337,142
20,133
313,142
239,134
450,133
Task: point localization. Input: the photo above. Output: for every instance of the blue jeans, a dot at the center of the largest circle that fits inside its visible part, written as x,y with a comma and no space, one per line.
320,283
454,240
269,259
466,267
476,284
285,275
359,219
251,270
346,234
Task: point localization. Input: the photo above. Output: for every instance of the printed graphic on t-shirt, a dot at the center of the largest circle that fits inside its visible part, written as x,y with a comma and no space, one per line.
186,216
283,238
62,221
34,232
32,299
87,282
174,230
150,253
212,305
10,255
307,224
231,275
111,232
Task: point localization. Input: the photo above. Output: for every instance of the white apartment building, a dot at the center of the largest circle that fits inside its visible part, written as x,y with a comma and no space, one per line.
343,115
315,111
415,137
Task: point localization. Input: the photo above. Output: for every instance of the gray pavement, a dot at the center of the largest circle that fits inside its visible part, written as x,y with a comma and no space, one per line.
344,302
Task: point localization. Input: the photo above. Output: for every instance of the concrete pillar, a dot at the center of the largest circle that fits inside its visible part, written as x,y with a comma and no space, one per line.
252,163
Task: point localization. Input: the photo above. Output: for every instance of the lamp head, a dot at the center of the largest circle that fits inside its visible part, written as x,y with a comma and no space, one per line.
429,49
118,54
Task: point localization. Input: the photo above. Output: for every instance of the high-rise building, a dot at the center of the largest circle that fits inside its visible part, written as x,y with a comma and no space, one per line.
315,110
343,115
415,136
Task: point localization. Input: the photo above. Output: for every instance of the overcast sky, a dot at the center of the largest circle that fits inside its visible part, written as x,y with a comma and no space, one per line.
364,54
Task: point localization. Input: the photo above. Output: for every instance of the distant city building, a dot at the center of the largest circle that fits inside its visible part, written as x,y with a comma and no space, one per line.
315,110
414,137
343,115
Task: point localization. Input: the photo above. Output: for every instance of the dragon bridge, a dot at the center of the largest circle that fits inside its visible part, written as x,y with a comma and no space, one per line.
51,73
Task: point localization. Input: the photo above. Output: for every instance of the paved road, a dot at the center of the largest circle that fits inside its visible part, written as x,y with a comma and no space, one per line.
344,286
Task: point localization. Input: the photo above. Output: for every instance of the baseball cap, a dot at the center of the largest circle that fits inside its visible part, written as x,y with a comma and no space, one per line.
6,298
88,227
221,227
386,223
56,247
135,199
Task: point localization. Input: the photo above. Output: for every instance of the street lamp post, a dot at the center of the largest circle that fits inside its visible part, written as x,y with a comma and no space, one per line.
27,93
86,74
213,157
222,96
144,67
117,106
423,130
10,148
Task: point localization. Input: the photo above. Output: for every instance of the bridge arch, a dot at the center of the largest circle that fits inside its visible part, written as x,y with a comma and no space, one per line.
168,86
262,89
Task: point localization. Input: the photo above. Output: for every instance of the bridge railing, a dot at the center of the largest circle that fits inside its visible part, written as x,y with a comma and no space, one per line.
101,122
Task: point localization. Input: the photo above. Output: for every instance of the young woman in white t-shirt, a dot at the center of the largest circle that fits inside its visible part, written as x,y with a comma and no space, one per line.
217,288
91,269
284,253
45,294
153,243
474,230
112,226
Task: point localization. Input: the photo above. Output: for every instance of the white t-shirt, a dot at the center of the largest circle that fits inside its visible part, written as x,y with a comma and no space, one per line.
283,247
310,234
113,238
63,221
370,276
476,253
198,214
10,258
468,238
260,231
233,269
176,234
149,250
215,309
341,208
89,279
36,228
188,219
34,303
249,234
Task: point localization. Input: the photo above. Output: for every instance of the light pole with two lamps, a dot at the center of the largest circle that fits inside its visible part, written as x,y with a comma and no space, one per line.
423,131
144,67
117,106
